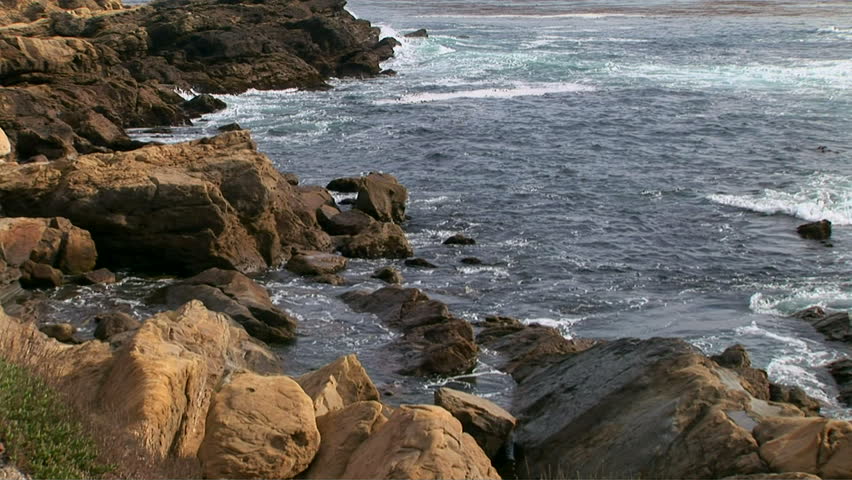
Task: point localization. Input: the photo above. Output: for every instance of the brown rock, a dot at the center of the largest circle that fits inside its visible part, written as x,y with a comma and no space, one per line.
110,324
50,241
342,432
259,427
420,441
78,254
345,185
388,275
382,197
330,279
311,199
62,332
419,263
5,146
841,370
486,422
99,276
203,104
39,275
795,396
814,445
379,240
338,384
775,476
459,239
820,230
734,356
422,33
351,222
834,326
316,263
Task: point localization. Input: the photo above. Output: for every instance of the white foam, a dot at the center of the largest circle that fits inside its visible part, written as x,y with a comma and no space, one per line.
804,296
519,91
534,16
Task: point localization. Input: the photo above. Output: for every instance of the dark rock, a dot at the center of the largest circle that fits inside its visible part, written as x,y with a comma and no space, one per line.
459,239
422,33
347,201
236,295
734,356
110,324
795,396
433,341
388,275
815,231
352,222
54,242
841,370
378,240
488,424
159,131
291,178
316,263
231,127
62,332
419,263
389,72
329,279
345,185
471,261
835,326
203,104
382,197
35,159
754,380
39,275
99,276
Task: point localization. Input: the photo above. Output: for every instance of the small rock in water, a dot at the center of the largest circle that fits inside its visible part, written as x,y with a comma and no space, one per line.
459,239
63,332
329,279
388,72
231,127
422,33
158,131
420,263
815,231
471,261
204,103
101,275
113,323
388,275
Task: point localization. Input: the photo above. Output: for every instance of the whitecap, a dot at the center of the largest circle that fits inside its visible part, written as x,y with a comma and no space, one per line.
518,91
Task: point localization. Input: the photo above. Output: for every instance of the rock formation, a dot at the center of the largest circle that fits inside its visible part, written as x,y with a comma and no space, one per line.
486,422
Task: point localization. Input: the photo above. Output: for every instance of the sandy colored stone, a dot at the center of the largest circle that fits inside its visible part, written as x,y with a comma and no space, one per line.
420,441
820,446
488,423
338,384
382,197
5,146
259,427
316,263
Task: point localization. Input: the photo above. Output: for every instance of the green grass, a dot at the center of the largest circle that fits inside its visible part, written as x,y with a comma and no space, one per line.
41,434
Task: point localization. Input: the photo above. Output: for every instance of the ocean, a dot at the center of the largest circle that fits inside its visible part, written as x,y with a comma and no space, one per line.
632,168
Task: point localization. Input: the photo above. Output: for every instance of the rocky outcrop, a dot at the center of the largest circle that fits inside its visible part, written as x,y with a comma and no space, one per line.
110,324
171,208
382,197
378,240
316,263
420,441
819,446
234,294
338,384
815,231
259,427
345,185
841,370
351,222
835,325
433,341
486,422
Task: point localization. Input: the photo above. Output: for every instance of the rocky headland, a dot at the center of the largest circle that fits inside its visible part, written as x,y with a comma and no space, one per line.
197,385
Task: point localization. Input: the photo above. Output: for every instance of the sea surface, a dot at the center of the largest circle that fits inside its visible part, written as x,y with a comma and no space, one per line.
630,168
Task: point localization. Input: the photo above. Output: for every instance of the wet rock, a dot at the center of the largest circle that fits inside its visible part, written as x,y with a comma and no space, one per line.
734,356
338,384
351,222
834,326
382,197
329,279
99,276
422,33
110,324
378,240
259,427
345,185
486,422
819,446
420,441
203,104
62,332
433,341
471,261
419,263
311,200
841,370
39,275
230,127
815,231
159,131
316,263
754,380
796,396
388,275
236,295
459,239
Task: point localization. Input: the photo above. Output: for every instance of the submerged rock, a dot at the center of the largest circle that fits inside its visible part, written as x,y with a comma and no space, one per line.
835,326
815,231
388,275
459,239
95,277
419,263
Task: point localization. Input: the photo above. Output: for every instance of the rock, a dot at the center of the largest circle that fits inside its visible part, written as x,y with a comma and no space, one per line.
382,197
388,275
419,263
203,104
329,279
649,408
420,441
236,295
345,185
775,476
312,199
291,178
54,242
5,146
422,33
796,396
159,131
259,427
819,446
110,324
841,370
338,384
734,356
178,208
342,432
433,342
835,326
351,222
459,239
379,240
471,261
815,231
316,263
754,380
99,276
35,159
486,422
231,127
39,275
62,332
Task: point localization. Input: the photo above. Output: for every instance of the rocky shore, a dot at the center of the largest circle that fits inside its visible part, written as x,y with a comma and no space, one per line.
197,384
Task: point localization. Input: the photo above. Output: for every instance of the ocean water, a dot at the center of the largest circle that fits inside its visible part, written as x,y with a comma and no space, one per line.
635,169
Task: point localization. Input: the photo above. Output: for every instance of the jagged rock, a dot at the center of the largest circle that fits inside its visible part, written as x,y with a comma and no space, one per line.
378,240
345,185
649,408
203,104
62,332
388,275
796,396
382,197
841,370
422,33
734,356
39,275
835,326
419,263
110,324
820,446
99,276
351,222
342,432
171,208
259,427
231,127
232,293
420,441
433,341
486,422
54,242
316,263
459,239
338,384
815,231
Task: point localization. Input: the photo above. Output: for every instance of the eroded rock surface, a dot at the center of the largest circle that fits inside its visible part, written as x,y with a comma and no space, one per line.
338,384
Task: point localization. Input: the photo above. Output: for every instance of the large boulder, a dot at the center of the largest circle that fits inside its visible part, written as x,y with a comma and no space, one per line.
649,408
382,197
316,263
46,242
377,240
232,293
420,441
259,427
213,202
433,341
820,446
338,384
834,325
351,222
488,424
841,370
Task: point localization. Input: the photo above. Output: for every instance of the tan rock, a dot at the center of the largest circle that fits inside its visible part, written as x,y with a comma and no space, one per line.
342,432
820,446
485,421
382,197
420,441
316,263
51,241
338,384
377,240
259,427
5,146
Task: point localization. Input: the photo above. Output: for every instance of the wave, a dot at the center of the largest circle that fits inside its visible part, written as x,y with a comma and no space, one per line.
792,300
533,16
519,91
